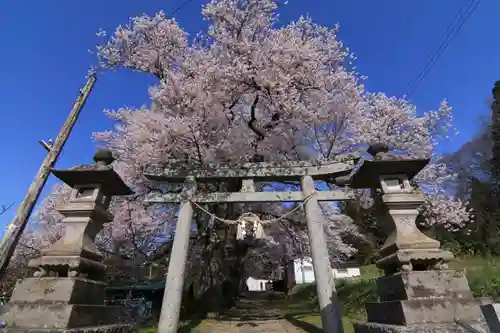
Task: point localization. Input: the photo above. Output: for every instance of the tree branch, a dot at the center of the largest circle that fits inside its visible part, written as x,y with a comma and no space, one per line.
251,123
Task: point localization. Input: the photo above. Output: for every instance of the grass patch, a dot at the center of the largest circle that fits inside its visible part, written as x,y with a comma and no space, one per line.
147,330
370,272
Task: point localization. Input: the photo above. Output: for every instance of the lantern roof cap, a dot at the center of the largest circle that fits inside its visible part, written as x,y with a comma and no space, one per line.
385,164
100,173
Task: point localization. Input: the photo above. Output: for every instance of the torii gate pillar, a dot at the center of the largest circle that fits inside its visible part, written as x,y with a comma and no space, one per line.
325,285
172,297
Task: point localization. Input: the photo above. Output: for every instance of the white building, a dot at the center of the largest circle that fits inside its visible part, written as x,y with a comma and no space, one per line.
257,284
303,271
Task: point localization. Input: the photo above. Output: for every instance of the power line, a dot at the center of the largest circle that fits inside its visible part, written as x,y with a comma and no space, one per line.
443,39
449,34
182,5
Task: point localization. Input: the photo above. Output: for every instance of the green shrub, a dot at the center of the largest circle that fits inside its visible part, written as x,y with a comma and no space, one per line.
355,293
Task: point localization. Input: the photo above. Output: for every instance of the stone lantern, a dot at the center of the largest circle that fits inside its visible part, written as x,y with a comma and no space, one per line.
67,292
406,248
93,187
418,293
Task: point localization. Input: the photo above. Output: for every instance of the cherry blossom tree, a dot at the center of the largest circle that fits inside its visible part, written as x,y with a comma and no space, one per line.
248,90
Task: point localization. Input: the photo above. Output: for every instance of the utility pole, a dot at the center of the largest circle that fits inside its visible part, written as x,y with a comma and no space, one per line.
18,224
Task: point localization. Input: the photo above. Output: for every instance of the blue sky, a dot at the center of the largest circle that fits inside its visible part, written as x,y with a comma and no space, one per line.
44,61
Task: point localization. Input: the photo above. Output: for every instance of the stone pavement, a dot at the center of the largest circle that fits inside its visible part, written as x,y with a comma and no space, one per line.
255,314
267,326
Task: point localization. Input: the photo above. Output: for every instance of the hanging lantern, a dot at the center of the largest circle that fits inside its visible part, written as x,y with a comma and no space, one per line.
241,233
250,226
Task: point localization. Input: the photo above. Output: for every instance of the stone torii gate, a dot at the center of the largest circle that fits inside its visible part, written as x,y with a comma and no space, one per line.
248,173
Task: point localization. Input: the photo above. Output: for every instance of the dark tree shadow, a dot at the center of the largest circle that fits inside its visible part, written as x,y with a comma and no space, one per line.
190,325
310,328
247,323
330,311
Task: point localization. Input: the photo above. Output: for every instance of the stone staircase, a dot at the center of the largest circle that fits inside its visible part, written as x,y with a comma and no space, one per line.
252,313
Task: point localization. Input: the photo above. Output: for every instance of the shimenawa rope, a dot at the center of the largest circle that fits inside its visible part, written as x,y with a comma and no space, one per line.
245,217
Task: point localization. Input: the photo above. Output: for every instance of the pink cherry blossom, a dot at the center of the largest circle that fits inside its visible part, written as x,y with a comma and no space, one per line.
245,88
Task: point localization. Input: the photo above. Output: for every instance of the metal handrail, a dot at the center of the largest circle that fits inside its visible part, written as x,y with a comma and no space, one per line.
466,326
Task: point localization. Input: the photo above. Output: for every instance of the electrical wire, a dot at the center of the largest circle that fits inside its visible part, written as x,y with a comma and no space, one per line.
182,5
449,34
442,41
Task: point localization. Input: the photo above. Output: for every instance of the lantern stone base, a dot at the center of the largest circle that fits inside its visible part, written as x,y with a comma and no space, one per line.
418,328
422,285
420,311
68,265
404,257
117,328
423,301
62,304
69,290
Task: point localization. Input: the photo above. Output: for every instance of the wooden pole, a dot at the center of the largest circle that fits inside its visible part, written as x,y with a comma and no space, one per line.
18,224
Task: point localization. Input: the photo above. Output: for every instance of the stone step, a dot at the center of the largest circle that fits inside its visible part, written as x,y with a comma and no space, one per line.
263,326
